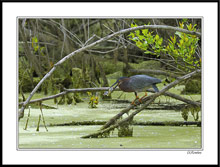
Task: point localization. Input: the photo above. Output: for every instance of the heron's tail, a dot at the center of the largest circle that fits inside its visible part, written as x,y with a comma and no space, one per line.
155,88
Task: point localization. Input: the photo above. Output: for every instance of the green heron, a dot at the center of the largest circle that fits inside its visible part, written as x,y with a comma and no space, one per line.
136,83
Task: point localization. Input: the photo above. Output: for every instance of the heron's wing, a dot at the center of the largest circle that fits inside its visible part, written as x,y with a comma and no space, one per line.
142,81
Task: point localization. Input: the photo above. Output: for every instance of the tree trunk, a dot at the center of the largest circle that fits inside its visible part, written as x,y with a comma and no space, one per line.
31,58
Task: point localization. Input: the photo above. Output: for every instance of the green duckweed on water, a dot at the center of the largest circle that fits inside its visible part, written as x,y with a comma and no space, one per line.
143,138
69,137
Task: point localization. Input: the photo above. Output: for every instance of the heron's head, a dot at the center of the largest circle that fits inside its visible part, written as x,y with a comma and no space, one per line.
114,86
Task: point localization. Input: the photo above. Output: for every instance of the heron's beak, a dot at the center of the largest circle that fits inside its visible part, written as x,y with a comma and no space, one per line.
111,89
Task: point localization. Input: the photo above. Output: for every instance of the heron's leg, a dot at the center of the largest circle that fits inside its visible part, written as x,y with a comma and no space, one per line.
137,97
140,100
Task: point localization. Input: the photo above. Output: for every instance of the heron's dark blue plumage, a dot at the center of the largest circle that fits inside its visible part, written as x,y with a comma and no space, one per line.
141,83
136,83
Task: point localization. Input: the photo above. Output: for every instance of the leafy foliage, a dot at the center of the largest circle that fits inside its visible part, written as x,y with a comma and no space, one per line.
181,47
94,100
145,40
36,47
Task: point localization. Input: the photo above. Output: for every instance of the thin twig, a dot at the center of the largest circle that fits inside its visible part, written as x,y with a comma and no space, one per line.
38,123
27,119
79,43
43,117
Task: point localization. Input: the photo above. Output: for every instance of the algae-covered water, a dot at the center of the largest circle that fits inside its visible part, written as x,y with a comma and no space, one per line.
144,137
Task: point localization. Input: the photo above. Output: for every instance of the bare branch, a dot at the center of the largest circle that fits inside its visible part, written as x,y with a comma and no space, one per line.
112,50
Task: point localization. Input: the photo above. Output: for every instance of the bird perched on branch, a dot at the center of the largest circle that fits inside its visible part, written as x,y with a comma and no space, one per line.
136,83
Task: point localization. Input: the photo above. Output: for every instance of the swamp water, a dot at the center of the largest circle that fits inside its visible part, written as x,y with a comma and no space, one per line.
144,137
69,137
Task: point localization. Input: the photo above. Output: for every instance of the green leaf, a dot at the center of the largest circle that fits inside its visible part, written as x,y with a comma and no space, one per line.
185,20
133,25
145,31
189,27
160,41
135,38
150,39
181,25
141,37
148,52
179,34
137,32
194,27
157,37
139,44
132,35
145,43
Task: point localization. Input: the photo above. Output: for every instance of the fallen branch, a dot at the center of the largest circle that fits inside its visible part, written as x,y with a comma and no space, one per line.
139,123
68,91
109,125
105,89
21,112
175,96
161,106
167,123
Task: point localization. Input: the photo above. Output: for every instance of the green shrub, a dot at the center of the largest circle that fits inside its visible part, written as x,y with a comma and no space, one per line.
192,87
151,64
111,67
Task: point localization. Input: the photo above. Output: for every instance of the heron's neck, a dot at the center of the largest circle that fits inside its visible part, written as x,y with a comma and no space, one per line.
125,86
